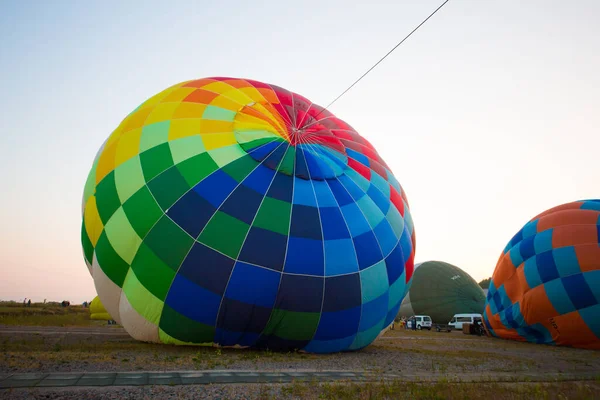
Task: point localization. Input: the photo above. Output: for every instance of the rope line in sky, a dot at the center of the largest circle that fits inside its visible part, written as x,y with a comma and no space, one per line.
383,58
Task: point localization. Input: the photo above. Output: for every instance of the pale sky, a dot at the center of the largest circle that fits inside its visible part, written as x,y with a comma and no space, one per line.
488,115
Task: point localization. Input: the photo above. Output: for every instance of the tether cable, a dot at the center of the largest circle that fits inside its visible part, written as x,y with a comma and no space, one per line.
383,58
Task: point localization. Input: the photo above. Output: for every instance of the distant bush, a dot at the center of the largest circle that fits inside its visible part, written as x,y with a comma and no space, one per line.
485,284
10,303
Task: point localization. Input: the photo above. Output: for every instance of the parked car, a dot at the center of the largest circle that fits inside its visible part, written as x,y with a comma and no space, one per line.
423,321
459,319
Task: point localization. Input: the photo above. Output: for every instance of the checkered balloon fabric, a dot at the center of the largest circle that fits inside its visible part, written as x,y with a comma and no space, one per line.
546,286
232,212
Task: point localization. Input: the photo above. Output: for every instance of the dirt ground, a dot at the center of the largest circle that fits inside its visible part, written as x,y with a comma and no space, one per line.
429,363
330,391
109,348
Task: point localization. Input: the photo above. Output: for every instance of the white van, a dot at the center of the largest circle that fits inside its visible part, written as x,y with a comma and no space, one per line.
423,321
459,319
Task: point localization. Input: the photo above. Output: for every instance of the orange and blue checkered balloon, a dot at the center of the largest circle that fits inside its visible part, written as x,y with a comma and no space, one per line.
546,286
232,212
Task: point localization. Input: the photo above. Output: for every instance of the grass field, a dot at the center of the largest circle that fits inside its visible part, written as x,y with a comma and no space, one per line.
39,314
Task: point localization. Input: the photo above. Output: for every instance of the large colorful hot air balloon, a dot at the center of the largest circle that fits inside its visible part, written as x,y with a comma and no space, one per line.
441,290
546,286
232,212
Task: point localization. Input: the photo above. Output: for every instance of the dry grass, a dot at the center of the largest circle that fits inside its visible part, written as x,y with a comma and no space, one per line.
441,390
39,314
33,353
399,351
511,355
